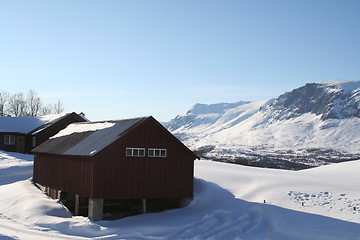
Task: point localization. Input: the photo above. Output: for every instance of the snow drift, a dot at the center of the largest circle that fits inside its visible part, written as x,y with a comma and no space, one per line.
228,204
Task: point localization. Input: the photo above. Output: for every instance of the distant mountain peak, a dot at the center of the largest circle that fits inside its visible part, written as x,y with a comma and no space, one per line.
200,108
336,99
208,116
346,85
311,125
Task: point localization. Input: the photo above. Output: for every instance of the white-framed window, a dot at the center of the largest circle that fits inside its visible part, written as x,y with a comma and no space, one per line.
156,152
135,152
34,141
9,139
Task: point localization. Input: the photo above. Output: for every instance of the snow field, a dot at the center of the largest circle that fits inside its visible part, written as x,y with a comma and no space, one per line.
228,204
290,188
327,201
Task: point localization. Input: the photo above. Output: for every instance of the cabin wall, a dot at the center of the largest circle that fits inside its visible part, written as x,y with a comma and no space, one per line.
73,174
121,177
12,147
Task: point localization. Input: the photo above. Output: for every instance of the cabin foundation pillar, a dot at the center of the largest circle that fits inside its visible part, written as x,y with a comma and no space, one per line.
144,205
77,201
185,201
96,206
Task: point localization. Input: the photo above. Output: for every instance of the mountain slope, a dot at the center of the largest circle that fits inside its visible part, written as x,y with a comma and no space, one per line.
330,100
212,118
309,126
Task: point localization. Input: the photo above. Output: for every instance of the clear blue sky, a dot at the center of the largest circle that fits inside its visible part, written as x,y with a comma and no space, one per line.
127,58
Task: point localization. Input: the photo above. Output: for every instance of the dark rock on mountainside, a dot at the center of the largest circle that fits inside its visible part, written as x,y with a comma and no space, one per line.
316,124
327,100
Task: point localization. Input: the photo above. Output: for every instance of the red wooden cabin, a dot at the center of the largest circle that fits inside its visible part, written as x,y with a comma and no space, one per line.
104,162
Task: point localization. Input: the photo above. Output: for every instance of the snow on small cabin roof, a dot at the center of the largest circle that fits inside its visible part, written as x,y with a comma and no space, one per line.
26,124
87,138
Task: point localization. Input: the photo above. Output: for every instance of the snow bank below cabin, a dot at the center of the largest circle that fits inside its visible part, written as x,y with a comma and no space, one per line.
228,204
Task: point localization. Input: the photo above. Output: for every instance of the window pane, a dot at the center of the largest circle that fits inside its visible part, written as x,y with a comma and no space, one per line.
141,152
135,152
9,139
151,152
157,152
163,153
128,152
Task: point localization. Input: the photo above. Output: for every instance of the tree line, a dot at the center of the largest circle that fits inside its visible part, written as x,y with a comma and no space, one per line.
29,104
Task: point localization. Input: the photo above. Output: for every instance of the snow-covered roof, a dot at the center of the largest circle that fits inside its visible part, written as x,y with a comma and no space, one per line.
26,124
87,138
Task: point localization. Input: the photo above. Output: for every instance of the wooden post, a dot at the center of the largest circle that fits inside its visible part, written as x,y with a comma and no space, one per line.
77,201
144,205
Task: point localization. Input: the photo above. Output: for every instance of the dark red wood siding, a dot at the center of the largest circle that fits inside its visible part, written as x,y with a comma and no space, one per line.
121,177
111,175
73,174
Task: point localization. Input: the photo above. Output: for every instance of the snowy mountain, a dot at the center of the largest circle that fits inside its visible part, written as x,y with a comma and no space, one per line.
309,126
330,100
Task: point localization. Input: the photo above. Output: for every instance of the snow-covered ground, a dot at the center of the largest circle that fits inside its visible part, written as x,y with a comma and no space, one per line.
319,203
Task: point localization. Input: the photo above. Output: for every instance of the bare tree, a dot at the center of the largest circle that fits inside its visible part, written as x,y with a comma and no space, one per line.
30,105
17,105
4,97
45,110
33,104
58,108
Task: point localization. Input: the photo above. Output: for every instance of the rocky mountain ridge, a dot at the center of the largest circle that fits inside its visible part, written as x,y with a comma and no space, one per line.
332,99
309,126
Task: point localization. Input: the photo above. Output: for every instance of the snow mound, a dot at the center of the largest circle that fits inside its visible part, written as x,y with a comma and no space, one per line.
228,204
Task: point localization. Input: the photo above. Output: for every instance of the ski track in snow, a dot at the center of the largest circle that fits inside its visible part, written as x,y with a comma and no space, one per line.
215,212
17,230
